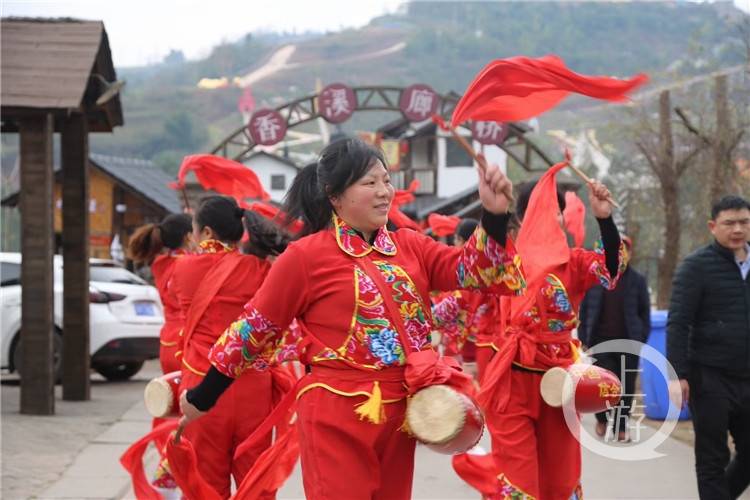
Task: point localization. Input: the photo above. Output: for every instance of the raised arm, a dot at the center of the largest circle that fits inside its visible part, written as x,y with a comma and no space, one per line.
487,262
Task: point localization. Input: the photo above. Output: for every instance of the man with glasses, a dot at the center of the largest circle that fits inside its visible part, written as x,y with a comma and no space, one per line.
708,343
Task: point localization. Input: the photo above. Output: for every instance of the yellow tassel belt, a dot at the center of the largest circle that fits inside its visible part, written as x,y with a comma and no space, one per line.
373,408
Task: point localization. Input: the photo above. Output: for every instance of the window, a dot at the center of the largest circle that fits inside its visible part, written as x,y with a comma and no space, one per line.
10,274
431,145
278,182
398,179
456,156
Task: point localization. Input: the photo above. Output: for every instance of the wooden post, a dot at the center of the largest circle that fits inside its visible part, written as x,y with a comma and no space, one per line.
75,234
37,380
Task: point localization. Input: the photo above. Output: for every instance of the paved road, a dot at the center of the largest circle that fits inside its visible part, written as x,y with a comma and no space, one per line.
74,454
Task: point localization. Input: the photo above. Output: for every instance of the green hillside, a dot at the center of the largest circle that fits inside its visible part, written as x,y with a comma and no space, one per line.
442,44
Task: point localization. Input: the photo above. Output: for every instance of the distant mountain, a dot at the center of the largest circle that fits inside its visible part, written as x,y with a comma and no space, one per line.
441,44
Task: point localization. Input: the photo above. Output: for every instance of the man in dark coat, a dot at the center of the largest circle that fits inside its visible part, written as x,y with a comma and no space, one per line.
622,313
708,344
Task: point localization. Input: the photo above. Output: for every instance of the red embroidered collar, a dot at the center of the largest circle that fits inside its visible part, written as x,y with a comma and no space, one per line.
351,242
215,246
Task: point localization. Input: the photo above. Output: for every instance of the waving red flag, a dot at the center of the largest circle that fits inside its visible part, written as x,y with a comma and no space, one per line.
224,176
519,88
272,468
574,216
541,241
443,225
404,196
184,466
132,460
401,220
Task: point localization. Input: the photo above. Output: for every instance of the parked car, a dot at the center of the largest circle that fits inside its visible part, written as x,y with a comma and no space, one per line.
126,316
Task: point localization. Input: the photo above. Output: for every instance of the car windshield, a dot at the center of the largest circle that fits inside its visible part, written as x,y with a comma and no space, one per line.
113,274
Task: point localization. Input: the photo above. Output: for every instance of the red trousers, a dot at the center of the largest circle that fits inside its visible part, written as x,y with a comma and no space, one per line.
535,452
235,416
345,458
169,363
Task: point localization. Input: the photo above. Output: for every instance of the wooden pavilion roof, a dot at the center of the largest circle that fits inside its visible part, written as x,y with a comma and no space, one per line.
51,64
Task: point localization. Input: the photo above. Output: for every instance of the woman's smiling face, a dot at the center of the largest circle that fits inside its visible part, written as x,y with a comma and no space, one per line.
365,204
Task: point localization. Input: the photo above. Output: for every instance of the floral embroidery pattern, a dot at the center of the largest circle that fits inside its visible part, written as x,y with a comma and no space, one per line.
373,341
215,246
413,311
163,476
238,349
371,328
555,293
287,348
458,319
504,264
327,354
560,314
599,269
352,243
508,491
385,345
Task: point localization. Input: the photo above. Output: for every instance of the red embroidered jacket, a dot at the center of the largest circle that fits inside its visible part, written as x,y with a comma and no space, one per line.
225,305
556,309
463,316
319,281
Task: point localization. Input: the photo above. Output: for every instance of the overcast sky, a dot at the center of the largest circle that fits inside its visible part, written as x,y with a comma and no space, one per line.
144,31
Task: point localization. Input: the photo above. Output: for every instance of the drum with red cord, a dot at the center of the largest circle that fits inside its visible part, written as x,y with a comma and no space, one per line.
444,419
162,396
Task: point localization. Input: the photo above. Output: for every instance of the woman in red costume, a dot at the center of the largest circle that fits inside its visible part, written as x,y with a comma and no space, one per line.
536,454
361,296
460,315
161,245
212,287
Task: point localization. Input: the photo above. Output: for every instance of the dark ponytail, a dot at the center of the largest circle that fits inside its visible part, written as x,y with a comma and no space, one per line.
222,215
145,244
147,241
341,164
264,237
306,202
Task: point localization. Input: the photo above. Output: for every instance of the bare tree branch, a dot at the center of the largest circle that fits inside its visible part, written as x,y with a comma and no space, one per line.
682,165
736,141
649,157
692,128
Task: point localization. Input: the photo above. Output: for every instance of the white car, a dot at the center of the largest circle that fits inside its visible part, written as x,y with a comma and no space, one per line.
125,317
